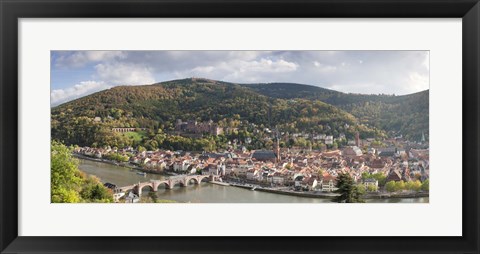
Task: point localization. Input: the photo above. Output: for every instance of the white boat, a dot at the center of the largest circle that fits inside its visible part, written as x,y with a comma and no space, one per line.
142,173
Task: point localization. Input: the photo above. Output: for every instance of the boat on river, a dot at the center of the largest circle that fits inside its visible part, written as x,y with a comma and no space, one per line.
142,173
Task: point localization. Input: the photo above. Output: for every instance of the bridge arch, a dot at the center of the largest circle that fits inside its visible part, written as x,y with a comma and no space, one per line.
148,186
180,182
204,178
162,183
191,180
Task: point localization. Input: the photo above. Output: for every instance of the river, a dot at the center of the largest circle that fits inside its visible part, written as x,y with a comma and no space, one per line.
206,192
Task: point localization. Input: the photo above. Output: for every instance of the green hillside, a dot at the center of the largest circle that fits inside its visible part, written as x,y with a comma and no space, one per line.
248,109
405,115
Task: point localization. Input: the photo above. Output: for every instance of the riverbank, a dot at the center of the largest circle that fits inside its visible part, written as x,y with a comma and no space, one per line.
219,183
83,157
396,195
312,194
287,192
329,195
209,193
120,164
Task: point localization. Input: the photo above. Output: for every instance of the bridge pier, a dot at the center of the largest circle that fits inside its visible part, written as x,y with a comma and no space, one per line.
137,190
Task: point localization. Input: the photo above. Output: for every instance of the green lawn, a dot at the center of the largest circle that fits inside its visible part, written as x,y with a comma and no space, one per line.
137,136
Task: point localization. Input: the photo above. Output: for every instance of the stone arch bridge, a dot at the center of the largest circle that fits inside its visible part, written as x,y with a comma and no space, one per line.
170,182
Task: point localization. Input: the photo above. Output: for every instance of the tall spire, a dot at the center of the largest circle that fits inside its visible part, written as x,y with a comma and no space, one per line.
277,144
357,139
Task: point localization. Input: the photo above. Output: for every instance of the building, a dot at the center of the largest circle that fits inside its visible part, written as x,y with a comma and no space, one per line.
370,182
394,175
377,163
278,179
352,152
127,129
264,155
252,174
277,149
192,126
329,140
311,183
211,169
328,184
387,152
181,166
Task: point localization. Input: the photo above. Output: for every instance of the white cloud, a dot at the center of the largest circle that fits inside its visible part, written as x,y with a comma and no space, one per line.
240,70
261,66
203,69
426,61
96,56
124,74
267,65
83,88
81,58
107,76
323,67
246,55
417,82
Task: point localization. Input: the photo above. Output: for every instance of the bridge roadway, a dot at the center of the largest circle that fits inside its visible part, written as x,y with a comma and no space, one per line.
170,182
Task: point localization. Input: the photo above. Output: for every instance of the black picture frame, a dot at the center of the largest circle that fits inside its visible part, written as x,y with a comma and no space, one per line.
12,10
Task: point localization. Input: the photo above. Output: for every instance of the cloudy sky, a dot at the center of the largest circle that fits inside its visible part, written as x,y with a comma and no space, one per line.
78,73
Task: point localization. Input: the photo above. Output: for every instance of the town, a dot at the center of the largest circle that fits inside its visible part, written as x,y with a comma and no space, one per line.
392,166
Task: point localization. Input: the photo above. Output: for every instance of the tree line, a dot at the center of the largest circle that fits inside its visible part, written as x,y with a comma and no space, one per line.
69,184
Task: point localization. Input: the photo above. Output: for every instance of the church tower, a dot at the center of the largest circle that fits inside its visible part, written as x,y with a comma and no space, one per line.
357,139
276,146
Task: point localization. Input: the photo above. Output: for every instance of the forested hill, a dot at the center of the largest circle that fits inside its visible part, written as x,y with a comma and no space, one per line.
230,105
292,90
405,115
290,107
202,100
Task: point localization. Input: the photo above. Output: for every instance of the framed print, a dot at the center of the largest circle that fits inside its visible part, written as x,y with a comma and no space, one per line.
239,126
